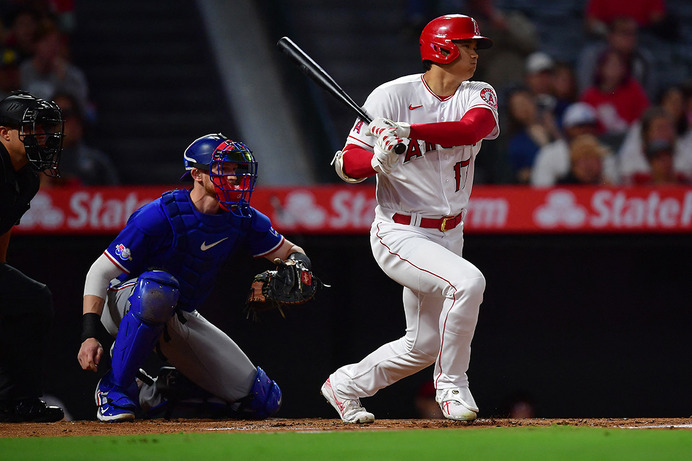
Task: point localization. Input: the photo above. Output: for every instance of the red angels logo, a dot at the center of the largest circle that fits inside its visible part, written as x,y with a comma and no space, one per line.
476,29
488,96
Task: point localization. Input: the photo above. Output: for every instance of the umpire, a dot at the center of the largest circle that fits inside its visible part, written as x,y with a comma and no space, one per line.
31,131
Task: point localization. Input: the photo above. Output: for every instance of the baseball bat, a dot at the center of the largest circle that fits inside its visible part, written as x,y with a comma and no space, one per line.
323,79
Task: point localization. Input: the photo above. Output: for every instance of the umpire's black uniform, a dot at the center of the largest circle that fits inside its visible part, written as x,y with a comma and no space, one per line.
26,307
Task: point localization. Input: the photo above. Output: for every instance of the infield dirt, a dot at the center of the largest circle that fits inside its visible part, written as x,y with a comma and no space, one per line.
169,426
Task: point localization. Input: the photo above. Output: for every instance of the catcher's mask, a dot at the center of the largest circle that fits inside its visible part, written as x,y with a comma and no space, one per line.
231,167
40,126
233,171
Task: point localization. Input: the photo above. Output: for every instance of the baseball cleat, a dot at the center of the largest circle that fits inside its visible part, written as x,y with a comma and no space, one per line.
350,410
113,405
32,410
454,407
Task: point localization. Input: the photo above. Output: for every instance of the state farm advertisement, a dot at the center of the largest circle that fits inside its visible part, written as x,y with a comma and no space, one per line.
349,209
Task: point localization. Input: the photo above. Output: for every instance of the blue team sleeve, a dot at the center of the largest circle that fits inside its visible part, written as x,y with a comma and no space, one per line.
262,238
146,231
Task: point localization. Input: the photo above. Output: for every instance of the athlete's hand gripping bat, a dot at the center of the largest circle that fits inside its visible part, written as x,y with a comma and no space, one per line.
323,79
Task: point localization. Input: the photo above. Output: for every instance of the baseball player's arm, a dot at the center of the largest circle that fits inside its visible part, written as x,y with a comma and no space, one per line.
357,162
474,126
95,288
284,251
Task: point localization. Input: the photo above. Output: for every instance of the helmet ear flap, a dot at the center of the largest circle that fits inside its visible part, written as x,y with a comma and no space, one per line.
447,51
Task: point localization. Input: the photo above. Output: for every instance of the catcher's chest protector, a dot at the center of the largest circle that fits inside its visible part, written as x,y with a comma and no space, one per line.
201,244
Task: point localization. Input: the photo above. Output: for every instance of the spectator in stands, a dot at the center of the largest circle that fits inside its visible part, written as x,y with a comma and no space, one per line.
64,11
49,71
586,156
553,84
649,14
659,156
553,160
21,33
9,71
528,131
656,125
515,37
673,99
538,78
622,37
618,98
80,164
564,89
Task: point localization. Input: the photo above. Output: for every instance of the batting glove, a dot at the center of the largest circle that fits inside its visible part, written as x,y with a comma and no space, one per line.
380,125
383,125
385,159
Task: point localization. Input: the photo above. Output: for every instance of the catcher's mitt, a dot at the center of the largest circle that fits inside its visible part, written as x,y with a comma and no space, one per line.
291,283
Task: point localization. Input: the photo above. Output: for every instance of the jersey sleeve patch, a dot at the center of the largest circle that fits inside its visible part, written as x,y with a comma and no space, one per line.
118,259
488,95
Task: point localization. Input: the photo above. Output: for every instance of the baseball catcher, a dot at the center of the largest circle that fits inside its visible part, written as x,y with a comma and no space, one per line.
186,235
291,283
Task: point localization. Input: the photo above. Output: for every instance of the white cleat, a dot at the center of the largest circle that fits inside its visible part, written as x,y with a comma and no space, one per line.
454,406
350,410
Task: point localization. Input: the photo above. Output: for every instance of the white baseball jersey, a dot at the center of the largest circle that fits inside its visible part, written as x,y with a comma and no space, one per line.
429,179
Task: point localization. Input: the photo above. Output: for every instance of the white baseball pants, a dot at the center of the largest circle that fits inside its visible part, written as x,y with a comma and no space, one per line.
441,296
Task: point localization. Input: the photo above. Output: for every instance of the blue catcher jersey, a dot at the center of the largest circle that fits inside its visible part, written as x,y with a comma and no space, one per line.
171,235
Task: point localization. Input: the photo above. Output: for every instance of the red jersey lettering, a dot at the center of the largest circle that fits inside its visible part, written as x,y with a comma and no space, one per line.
413,151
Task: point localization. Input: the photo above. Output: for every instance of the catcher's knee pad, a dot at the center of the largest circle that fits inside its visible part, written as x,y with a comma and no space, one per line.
264,399
152,304
154,297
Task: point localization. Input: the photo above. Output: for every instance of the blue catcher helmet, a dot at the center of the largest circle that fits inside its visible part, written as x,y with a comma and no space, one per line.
231,167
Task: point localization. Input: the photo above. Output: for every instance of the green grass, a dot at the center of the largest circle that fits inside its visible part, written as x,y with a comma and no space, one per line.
544,443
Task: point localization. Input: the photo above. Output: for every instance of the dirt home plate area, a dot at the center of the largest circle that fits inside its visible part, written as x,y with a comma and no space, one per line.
163,426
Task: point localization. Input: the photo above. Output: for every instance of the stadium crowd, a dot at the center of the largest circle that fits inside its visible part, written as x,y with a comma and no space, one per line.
35,56
610,91
605,110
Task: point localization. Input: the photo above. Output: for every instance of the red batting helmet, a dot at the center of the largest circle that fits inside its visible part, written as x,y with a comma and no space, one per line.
436,40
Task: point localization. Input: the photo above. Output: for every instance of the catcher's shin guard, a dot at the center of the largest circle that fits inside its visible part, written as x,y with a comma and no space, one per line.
152,304
264,399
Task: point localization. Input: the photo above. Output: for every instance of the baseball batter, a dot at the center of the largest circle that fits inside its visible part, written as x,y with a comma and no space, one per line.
147,285
417,234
